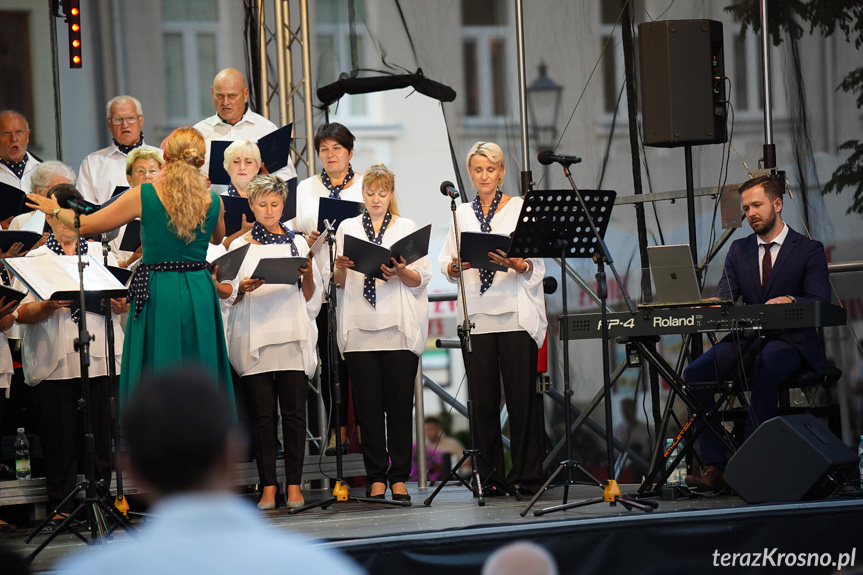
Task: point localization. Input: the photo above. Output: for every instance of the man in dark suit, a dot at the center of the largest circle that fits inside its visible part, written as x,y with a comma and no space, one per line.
774,265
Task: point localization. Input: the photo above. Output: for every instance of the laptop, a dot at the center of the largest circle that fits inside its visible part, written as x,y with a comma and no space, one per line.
674,280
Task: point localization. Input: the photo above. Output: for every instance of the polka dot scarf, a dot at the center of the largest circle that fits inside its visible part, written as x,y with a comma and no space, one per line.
486,277
262,236
53,245
232,191
16,167
336,190
369,290
126,149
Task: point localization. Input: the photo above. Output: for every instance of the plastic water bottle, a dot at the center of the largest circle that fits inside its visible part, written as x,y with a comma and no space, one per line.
22,455
674,476
681,467
860,458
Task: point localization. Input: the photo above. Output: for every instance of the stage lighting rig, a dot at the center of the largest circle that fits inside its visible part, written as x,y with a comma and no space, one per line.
72,10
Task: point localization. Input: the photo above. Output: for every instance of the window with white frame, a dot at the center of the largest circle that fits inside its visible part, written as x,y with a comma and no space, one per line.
484,54
190,31
612,64
335,41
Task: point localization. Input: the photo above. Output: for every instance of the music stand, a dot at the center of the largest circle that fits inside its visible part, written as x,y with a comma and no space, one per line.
93,502
567,224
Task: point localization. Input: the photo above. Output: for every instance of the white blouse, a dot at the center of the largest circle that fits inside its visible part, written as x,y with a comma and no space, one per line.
400,320
309,193
48,347
514,302
273,327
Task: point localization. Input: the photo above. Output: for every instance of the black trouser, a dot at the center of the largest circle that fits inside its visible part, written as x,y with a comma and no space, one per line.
511,356
61,431
383,384
326,391
290,389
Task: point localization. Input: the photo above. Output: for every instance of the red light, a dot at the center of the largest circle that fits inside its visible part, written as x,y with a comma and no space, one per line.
76,27
75,12
76,43
76,59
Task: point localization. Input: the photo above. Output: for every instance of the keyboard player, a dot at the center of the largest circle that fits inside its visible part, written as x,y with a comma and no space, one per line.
773,265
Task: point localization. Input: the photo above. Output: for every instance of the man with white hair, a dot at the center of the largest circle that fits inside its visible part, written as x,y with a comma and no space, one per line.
235,121
16,163
44,177
103,170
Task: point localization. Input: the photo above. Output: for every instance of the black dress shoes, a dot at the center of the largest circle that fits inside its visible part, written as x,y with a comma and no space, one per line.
711,479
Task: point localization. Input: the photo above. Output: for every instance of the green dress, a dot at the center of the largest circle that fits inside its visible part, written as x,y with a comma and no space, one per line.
180,323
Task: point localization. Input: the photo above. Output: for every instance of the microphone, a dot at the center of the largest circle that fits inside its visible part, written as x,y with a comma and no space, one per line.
68,197
547,157
447,188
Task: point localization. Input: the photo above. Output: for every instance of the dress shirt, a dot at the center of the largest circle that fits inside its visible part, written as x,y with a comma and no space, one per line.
774,249
514,301
251,127
7,177
212,533
101,172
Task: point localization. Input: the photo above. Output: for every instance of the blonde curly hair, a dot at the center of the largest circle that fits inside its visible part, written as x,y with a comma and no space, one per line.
181,187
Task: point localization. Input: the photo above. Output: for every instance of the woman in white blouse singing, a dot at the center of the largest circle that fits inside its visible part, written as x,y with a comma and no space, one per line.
507,308
383,326
271,337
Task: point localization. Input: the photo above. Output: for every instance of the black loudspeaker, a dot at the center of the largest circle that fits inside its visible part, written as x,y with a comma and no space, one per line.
790,458
682,90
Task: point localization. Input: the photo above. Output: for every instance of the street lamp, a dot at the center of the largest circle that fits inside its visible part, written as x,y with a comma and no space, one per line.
543,107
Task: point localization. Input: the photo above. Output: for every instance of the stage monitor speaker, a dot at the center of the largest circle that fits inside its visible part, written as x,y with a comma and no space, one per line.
682,85
790,458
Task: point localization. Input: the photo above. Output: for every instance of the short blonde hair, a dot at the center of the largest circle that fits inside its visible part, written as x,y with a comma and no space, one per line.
491,151
385,178
264,185
143,153
237,148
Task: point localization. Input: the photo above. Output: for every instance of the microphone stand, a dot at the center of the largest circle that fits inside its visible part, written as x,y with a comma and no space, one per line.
120,500
474,454
93,501
340,490
611,490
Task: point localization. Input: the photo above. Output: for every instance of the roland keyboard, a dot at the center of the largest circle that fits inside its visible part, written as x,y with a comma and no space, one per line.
687,320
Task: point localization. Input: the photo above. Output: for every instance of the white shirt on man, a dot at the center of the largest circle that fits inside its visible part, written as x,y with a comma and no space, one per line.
101,172
250,127
23,183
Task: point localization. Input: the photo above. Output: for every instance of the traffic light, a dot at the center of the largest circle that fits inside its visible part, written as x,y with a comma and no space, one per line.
72,9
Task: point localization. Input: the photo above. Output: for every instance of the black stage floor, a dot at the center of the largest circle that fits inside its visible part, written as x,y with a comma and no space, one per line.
689,535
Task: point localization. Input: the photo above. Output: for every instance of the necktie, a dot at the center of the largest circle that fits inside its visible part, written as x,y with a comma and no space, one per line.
766,266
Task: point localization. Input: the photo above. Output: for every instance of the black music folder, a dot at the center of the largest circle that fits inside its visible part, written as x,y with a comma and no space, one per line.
336,211
235,208
275,150
124,275
217,174
131,237
475,247
117,191
280,270
368,257
11,294
12,201
9,237
230,263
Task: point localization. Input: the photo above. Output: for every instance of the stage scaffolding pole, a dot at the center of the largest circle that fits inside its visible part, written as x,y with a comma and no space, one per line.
288,86
526,175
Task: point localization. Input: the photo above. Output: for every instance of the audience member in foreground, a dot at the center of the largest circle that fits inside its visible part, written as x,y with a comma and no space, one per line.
182,450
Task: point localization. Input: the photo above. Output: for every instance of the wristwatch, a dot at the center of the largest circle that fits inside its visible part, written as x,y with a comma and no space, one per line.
56,211
792,298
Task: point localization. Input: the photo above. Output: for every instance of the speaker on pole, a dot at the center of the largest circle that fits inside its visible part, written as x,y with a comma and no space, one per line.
790,458
682,82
